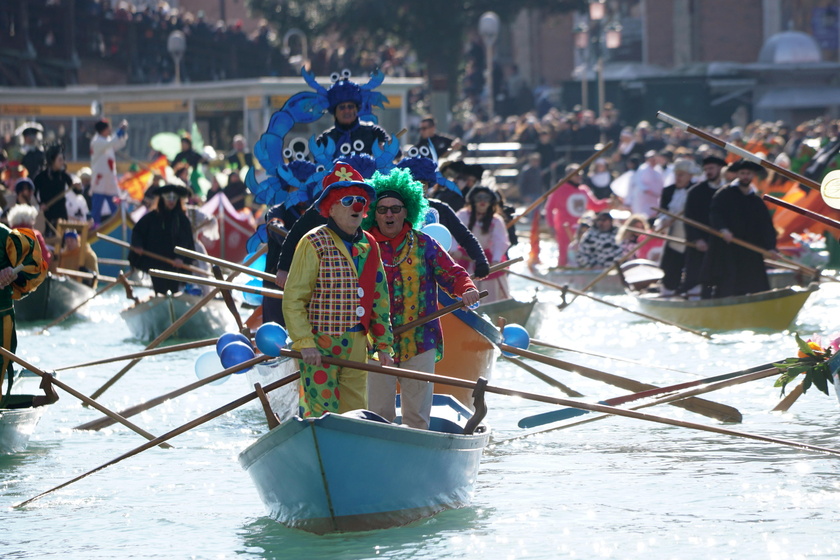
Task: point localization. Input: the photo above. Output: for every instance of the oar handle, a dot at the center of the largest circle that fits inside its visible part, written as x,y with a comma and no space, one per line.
804,211
221,285
505,264
151,255
223,263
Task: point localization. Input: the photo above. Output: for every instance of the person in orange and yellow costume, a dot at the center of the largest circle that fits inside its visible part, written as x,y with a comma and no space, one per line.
336,300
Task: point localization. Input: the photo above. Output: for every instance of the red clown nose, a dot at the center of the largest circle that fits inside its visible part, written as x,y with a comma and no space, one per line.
358,207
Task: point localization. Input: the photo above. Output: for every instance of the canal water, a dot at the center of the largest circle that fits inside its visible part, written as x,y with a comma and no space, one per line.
616,488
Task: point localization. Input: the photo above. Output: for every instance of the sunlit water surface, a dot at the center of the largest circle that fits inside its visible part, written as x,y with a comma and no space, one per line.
617,488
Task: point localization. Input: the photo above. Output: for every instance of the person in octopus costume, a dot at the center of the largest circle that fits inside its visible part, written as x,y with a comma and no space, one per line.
349,134
416,266
336,298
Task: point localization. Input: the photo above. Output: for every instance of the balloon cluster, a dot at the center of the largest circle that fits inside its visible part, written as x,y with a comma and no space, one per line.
516,336
233,349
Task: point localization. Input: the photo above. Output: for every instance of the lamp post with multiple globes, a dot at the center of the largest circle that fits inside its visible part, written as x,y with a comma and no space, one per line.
594,36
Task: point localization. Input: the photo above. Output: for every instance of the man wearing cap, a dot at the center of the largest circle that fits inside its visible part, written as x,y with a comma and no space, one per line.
30,154
598,246
103,165
349,134
415,266
164,227
697,203
336,297
738,212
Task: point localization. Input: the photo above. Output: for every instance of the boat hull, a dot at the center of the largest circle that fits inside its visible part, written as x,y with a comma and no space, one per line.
341,473
771,310
54,297
17,425
148,319
580,278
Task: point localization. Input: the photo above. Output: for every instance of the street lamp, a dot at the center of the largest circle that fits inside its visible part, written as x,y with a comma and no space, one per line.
600,38
488,28
176,44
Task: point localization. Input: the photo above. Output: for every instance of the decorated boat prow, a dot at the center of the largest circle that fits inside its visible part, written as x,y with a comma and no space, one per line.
358,472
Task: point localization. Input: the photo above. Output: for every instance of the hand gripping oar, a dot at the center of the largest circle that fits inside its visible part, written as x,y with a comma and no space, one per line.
605,302
747,245
117,282
104,422
738,151
5,353
151,255
411,374
233,405
707,385
174,327
711,409
216,283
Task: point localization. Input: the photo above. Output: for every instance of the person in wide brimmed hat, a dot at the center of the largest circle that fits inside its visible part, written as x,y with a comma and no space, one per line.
738,212
416,267
336,296
164,227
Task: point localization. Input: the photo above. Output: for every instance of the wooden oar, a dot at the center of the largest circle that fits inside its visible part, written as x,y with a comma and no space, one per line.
707,385
115,262
558,401
145,353
605,302
233,405
57,382
448,381
714,410
586,418
738,151
216,283
787,402
151,255
226,295
99,292
605,356
502,265
174,327
745,244
226,264
104,422
90,276
804,211
559,184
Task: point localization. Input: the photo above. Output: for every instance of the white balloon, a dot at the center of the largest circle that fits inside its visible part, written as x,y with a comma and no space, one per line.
209,364
439,233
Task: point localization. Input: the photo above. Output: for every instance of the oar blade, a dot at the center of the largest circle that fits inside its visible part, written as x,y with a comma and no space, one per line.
552,416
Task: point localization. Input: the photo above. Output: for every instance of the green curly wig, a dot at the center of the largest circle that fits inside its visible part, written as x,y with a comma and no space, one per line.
411,191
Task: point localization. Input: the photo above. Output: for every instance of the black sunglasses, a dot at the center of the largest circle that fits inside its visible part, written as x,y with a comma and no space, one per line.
395,209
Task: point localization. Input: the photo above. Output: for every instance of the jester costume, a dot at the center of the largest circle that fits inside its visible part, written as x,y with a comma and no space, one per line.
330,303
22,248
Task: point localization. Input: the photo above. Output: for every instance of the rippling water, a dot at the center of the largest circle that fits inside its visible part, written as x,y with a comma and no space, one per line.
617,488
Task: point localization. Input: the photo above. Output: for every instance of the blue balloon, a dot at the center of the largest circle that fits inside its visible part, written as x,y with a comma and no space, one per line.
258,264
516,336
208,364
229,337
253,299
270,338
440,234
235,353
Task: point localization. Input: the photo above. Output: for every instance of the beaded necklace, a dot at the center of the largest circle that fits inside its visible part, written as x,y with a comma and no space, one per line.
407,251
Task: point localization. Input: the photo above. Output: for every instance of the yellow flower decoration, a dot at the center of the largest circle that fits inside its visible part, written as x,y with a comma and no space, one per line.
343,174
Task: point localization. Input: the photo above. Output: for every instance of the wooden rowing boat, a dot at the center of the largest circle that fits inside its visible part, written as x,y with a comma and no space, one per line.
18,419
511,310
357,472
469,348
54,297
149,318
770,310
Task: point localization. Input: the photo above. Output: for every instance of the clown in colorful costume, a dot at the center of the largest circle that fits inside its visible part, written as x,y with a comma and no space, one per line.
336,298
21,248
415,265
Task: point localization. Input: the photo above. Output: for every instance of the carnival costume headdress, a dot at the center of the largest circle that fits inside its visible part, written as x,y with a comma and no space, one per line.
400,184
